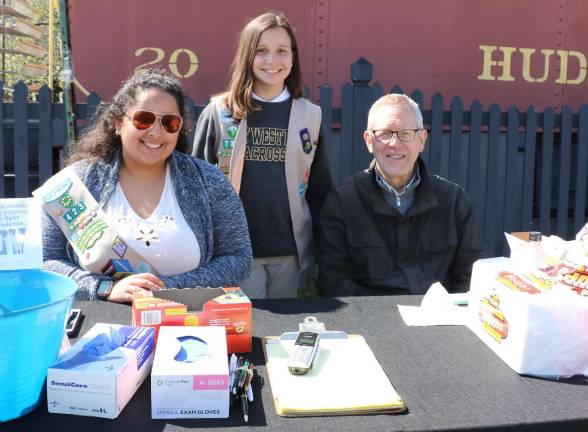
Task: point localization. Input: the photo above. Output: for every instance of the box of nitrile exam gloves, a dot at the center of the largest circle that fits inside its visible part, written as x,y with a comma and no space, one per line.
101,372
226,307
190,376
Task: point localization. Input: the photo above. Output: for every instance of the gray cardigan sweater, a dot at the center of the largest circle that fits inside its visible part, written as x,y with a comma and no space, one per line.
209,204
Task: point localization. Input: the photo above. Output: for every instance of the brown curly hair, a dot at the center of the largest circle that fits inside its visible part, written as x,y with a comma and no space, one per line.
100,141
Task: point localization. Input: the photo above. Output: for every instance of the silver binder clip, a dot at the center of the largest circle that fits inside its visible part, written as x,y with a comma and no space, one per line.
311,324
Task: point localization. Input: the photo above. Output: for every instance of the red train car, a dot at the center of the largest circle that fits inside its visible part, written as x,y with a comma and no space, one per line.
522,53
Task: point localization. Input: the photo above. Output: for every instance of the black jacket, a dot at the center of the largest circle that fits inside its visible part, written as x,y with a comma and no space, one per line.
369,248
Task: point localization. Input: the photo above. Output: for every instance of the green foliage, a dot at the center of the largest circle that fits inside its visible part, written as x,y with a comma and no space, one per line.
13,63
309,290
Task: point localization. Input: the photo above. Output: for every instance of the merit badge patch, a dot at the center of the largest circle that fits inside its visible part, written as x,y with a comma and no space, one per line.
232,131
228,144
304,185
305,139
119,247
301,189
74,212
66,201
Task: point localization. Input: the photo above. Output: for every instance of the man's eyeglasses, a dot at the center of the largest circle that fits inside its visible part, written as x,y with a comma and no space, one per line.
404,135
143,120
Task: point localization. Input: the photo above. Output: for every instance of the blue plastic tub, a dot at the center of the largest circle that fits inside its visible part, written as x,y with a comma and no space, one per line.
34,305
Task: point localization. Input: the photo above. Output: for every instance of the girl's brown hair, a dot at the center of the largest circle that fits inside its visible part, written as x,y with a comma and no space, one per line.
239,95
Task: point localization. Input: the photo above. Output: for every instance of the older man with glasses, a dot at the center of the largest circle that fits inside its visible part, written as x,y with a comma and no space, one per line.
395,228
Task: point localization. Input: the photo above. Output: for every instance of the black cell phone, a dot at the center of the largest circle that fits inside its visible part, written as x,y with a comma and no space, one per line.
73,322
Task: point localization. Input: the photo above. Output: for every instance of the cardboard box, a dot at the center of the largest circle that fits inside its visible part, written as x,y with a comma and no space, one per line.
190,377
536,325
522,235
101,372
226,307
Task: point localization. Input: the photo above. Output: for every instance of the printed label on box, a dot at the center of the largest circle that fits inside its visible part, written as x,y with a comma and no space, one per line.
210,382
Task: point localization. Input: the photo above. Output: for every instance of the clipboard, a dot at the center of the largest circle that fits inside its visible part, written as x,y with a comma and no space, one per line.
347,379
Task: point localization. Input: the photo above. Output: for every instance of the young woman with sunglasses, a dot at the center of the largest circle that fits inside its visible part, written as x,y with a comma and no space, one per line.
265,137
178,213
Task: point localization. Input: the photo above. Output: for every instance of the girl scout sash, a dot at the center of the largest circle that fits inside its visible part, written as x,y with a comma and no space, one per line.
94,239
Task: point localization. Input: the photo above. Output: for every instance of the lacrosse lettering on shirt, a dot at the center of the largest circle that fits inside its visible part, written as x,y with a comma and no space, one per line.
265,144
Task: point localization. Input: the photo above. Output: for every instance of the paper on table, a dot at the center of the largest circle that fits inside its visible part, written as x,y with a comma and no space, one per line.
438,307
347,379
20,226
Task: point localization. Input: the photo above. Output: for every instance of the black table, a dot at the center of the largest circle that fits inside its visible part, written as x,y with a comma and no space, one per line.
448,378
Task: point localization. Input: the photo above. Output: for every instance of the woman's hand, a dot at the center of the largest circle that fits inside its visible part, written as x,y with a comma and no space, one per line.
124,289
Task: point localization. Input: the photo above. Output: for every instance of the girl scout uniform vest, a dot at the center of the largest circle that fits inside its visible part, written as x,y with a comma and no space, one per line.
303,132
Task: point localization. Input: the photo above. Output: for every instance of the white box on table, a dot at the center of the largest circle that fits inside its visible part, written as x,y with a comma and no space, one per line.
190,376
536,326
100,373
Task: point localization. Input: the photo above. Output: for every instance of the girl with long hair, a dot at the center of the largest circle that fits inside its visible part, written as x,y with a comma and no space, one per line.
265,137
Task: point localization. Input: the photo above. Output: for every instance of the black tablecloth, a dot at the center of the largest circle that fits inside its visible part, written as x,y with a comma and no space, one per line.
448,378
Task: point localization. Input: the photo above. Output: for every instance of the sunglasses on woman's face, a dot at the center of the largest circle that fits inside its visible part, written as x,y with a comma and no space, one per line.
143,120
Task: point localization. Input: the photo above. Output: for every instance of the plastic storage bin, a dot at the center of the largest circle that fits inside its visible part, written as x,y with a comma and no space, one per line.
34,305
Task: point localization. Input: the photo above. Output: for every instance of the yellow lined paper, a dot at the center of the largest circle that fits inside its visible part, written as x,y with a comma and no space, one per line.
346,379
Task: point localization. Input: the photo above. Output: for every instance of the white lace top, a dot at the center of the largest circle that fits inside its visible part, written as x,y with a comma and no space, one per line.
164,239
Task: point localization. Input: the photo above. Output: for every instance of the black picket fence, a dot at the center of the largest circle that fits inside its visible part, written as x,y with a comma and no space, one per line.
523,170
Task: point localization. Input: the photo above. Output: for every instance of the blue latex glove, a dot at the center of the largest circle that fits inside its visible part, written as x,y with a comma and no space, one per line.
192,349
103,343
